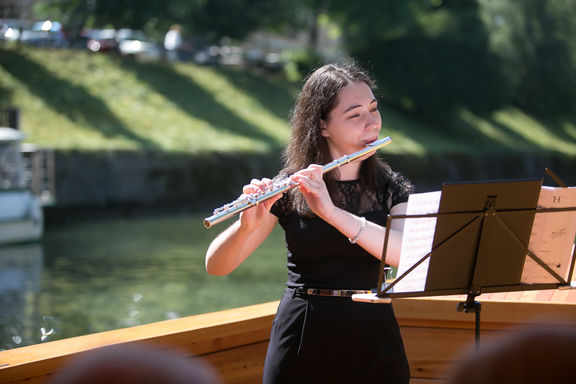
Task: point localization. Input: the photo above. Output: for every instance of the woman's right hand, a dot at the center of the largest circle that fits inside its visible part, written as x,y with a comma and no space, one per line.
251,218
232,246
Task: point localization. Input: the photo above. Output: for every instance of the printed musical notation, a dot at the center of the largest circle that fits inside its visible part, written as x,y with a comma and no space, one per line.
552,238
417,241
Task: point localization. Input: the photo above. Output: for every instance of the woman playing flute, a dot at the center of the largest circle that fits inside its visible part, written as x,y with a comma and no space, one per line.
335,229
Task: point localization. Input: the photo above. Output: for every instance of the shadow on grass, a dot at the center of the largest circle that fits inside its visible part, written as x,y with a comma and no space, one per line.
194,100
68,99
267,88
468,131
517,141
556,125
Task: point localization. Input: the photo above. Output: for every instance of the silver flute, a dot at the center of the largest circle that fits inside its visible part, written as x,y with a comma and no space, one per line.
248,201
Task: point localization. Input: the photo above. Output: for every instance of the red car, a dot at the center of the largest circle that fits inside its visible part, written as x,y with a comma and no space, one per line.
102,40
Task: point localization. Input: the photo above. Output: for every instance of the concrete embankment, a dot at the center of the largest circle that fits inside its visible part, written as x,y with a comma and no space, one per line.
139,180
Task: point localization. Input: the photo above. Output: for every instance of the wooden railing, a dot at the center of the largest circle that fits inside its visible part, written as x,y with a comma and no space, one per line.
234,341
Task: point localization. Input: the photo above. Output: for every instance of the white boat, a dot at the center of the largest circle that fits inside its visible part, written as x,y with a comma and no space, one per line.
21,217
21,214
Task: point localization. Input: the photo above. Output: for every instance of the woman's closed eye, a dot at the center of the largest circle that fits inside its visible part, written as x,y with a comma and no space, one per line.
356,115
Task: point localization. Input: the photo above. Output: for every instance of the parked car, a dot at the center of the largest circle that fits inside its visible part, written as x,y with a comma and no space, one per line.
45,33
271,61
9,32
101,40
127,42
208,55
136,43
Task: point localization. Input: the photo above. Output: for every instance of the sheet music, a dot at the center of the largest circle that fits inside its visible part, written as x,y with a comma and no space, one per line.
417,241
552,238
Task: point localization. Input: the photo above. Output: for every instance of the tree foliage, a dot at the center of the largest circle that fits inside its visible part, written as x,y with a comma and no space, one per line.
534,40
432,57
237,18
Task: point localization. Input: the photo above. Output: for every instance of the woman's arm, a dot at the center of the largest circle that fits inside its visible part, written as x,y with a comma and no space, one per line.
230,248
370,236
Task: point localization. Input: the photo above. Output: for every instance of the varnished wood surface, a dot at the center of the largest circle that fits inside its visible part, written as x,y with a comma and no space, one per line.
435,336
202,335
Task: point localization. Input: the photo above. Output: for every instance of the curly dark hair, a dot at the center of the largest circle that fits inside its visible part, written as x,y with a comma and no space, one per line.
318,97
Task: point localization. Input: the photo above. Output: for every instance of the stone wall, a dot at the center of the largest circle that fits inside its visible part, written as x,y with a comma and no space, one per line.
429,172
117,178
99,179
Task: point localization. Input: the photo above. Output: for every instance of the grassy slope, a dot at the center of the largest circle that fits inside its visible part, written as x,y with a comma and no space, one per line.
78,100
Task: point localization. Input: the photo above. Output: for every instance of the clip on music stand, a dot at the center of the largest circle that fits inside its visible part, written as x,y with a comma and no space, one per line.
480,244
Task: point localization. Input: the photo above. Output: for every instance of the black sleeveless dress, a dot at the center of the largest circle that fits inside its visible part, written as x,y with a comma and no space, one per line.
319,339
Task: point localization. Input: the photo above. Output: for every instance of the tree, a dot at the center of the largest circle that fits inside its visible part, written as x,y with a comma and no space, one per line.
534,39
238,18
433,57
430,57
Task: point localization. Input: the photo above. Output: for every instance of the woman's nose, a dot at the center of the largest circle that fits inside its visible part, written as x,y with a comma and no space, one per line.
371,122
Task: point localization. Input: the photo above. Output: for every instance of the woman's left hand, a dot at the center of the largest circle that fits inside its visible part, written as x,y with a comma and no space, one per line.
312,186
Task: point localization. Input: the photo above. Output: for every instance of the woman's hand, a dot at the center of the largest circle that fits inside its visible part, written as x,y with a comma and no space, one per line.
231,247
253,217
313,188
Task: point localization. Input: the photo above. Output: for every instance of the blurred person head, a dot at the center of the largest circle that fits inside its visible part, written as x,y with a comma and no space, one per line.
542,354
135,364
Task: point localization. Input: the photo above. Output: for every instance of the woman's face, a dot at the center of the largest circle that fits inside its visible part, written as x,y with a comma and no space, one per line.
354,122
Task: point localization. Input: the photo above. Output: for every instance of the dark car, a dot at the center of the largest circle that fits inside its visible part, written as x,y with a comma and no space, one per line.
101,40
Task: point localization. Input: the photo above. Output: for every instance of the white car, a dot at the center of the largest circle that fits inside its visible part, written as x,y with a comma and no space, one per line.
9,32
136,43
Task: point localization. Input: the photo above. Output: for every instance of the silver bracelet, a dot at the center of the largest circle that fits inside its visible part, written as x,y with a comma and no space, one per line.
362,226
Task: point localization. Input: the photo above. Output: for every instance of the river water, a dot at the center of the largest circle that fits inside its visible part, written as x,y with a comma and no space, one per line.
89,277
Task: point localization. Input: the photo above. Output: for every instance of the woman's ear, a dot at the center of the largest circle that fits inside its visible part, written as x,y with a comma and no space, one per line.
323,128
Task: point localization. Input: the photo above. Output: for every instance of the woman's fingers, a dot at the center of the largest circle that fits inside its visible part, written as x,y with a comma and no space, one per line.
314,172
256,186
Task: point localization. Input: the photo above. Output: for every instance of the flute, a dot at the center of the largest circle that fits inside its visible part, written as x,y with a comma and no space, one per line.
248,201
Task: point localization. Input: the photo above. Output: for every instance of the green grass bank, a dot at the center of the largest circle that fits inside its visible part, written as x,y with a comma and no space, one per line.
114,121
83,101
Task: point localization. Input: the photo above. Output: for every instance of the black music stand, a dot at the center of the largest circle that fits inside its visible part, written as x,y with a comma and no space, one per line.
480,244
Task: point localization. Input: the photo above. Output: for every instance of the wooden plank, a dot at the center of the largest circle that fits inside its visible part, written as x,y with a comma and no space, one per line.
235,341
240,365
32,380
441,312
209,345
431,351
427,381
198,335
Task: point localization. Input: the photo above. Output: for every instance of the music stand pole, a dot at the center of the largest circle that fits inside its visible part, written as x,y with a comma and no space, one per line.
471,305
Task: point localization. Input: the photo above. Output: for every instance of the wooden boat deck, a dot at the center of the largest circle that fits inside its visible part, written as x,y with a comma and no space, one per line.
234,341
